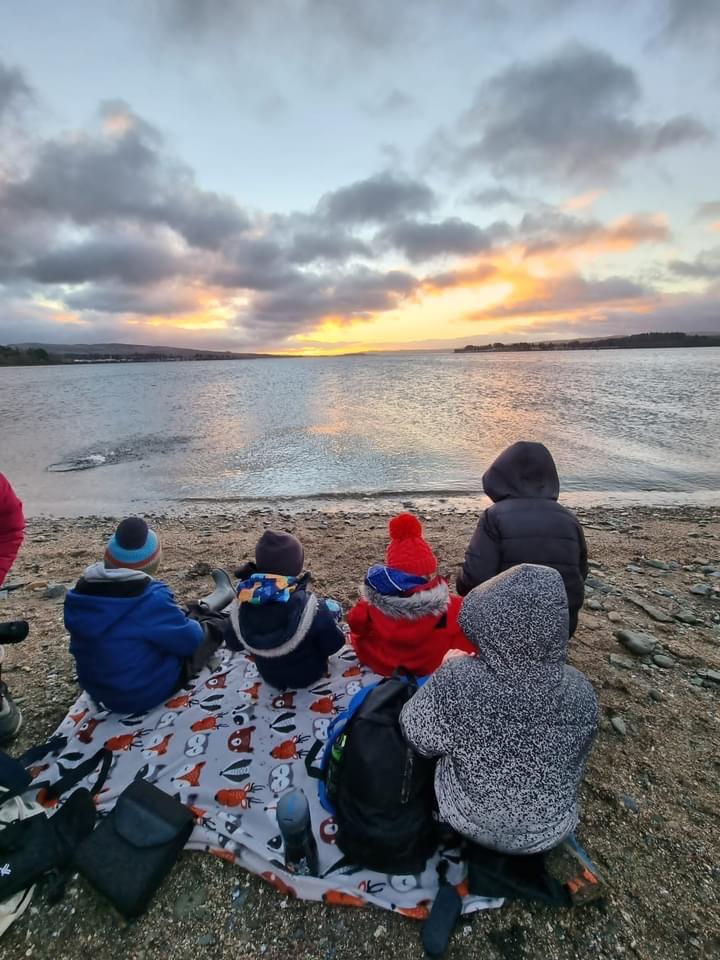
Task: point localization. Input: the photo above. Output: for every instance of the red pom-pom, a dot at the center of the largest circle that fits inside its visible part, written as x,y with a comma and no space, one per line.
404,527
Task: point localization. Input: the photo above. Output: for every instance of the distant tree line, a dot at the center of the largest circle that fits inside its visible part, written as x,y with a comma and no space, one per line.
632,341
33,357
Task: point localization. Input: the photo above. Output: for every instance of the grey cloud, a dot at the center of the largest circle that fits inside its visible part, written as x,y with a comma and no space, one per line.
394,102
571,293
706,266
378,199
308,247
709,210
696,21
423,241
552,229
494,196
352,296
567,116
122,175
116,298
131,258
15,91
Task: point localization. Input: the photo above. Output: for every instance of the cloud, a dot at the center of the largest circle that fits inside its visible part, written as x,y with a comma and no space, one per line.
129,257
122,175
422,241
553,230
15,91
390,104
694,21
709,210
378,199
566,294
706,266
494,196
569,116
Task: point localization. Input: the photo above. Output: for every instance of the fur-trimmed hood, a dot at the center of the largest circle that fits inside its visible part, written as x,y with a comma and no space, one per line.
423,603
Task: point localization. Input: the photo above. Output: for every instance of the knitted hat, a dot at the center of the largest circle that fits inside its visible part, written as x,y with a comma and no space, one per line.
279,552
407,550
134,546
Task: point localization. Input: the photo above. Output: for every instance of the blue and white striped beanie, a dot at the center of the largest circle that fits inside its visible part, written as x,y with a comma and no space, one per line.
134,546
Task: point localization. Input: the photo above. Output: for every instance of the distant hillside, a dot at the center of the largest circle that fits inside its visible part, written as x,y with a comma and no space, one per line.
125,352
632,341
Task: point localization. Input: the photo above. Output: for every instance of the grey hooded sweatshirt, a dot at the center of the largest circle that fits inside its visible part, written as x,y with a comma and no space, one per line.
513,726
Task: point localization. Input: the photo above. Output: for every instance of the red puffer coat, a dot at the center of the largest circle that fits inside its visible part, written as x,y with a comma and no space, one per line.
12,526
414,632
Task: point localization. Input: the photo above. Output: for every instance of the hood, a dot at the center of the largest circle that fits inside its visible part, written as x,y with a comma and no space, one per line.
276,629
524,469
519,619
422,603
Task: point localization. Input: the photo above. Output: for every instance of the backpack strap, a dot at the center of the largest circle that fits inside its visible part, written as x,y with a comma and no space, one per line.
70,779
316,773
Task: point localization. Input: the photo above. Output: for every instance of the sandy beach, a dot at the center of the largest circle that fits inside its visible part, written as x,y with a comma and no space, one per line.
651,817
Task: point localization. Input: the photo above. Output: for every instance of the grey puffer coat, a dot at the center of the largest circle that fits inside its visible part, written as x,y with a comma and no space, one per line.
513,726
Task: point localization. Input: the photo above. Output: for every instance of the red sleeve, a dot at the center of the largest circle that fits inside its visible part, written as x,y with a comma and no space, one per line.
358,619
12,526
457,639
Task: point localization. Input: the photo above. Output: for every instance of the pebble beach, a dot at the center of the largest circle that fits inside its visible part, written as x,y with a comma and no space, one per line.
649,641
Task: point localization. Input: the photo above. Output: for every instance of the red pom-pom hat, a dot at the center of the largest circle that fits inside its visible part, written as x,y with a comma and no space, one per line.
408,551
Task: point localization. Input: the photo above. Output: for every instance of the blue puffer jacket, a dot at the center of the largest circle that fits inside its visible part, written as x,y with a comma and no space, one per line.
291,642
129,638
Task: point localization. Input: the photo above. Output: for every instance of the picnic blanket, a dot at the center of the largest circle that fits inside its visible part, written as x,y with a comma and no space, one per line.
229,746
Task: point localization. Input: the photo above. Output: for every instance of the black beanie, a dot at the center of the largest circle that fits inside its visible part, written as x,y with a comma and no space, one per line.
281,553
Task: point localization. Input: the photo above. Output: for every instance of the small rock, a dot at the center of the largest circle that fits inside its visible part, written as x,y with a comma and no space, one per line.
641,644
655,695
633,568
654,612
621,662
687,616
56,591
201,568
615,617
658,564
593,604
618,725
592,623
190,903
662,660
380,932
701,589
206,940
630,803
712,675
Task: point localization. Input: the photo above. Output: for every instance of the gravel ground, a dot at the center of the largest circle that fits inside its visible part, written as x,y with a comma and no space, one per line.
651,811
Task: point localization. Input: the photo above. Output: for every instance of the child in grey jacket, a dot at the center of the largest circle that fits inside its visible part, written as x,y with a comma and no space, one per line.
513,725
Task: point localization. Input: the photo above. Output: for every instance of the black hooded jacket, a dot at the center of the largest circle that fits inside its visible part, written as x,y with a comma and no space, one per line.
526,524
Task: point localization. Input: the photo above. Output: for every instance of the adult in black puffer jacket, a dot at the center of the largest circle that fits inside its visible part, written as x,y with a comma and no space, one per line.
526,524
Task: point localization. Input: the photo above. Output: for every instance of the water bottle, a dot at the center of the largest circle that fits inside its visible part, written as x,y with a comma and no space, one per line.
293,817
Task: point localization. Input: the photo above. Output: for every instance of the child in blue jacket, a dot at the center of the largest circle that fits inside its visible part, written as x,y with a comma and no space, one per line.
133,645
289,630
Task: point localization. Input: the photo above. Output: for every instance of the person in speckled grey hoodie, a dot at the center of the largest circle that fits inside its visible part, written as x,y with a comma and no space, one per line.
513,725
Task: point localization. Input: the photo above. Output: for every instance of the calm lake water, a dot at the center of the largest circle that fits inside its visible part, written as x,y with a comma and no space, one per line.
158,436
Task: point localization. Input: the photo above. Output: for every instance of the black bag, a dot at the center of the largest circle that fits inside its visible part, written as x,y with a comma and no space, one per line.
133,849
38,846
513,876
381,788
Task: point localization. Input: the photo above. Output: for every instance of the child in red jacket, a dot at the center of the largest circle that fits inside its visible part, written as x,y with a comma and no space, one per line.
406,617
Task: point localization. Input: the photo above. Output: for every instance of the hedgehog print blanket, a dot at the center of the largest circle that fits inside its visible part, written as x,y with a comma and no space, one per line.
229,747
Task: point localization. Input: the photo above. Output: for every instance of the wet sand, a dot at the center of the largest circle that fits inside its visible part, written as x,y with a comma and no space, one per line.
651,796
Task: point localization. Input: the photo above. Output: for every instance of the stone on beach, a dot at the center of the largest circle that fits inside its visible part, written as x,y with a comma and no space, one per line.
641,644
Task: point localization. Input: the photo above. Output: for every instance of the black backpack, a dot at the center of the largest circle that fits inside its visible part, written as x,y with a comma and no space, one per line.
380,788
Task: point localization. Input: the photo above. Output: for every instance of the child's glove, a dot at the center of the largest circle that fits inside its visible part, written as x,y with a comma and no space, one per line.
334,609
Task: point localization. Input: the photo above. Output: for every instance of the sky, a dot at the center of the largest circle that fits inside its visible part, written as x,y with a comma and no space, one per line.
328,176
